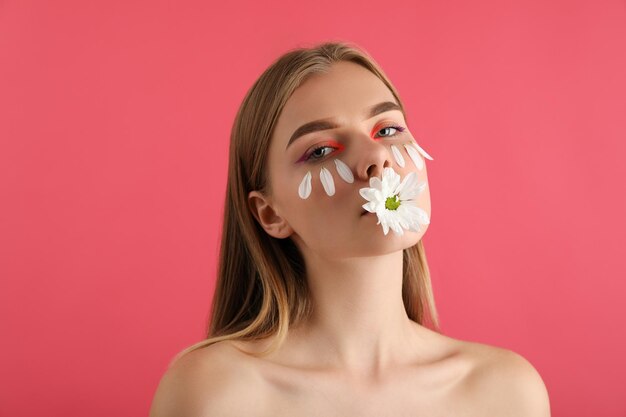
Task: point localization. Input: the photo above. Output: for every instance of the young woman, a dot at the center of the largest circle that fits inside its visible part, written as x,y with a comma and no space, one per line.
323,301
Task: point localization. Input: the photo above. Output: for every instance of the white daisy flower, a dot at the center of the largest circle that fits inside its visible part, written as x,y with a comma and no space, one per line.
394,202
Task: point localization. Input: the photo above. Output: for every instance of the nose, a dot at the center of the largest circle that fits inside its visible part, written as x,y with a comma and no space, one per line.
374,158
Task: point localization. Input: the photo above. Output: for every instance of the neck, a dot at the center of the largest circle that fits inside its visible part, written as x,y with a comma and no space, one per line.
359,323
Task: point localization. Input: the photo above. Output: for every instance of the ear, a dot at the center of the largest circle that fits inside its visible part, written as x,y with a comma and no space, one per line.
264,213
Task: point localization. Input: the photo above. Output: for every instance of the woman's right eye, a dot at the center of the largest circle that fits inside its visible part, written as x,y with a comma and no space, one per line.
314,155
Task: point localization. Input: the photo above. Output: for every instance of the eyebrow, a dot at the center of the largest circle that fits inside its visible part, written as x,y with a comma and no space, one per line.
325,124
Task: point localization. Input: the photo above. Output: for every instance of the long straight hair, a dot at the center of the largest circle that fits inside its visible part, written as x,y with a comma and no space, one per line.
261,286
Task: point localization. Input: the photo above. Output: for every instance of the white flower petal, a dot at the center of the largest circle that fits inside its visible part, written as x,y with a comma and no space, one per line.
411,216
327,181
418,214
391,180
344,171
368,193
304,190
371,206
403,220
392,221
396,228
396,154
415,227
415,157
375,182
412,191
423,152
423,216
407,187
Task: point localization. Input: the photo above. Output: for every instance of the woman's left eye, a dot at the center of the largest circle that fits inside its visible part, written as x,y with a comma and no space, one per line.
400,129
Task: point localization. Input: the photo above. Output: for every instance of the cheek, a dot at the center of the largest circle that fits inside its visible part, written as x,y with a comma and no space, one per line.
327,180
325,191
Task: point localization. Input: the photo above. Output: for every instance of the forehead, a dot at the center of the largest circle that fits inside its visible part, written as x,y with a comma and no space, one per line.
344,92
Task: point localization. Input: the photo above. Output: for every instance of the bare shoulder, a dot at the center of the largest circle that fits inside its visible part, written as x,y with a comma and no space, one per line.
208,381
504,383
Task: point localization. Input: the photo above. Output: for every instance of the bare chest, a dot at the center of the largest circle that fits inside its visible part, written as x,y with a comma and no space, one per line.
406,393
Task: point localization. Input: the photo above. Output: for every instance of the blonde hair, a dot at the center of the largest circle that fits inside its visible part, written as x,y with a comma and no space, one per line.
261,284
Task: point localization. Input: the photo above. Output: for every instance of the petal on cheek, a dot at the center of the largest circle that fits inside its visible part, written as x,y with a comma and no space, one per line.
327,181
304,190
397,155
415,157
344,171
423,152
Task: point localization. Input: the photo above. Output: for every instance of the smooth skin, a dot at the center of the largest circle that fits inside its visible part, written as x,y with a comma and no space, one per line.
359,354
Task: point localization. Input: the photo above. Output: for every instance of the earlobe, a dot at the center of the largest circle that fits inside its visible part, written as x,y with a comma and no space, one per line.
267,217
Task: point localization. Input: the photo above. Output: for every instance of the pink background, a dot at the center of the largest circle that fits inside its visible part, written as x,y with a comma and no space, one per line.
114,127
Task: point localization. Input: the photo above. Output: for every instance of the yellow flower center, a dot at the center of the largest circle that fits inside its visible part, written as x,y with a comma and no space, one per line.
392,203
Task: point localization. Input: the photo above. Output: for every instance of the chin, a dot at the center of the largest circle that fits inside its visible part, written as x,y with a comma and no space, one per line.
379,244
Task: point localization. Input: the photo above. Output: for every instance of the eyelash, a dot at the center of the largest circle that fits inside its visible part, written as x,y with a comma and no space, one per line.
308,158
